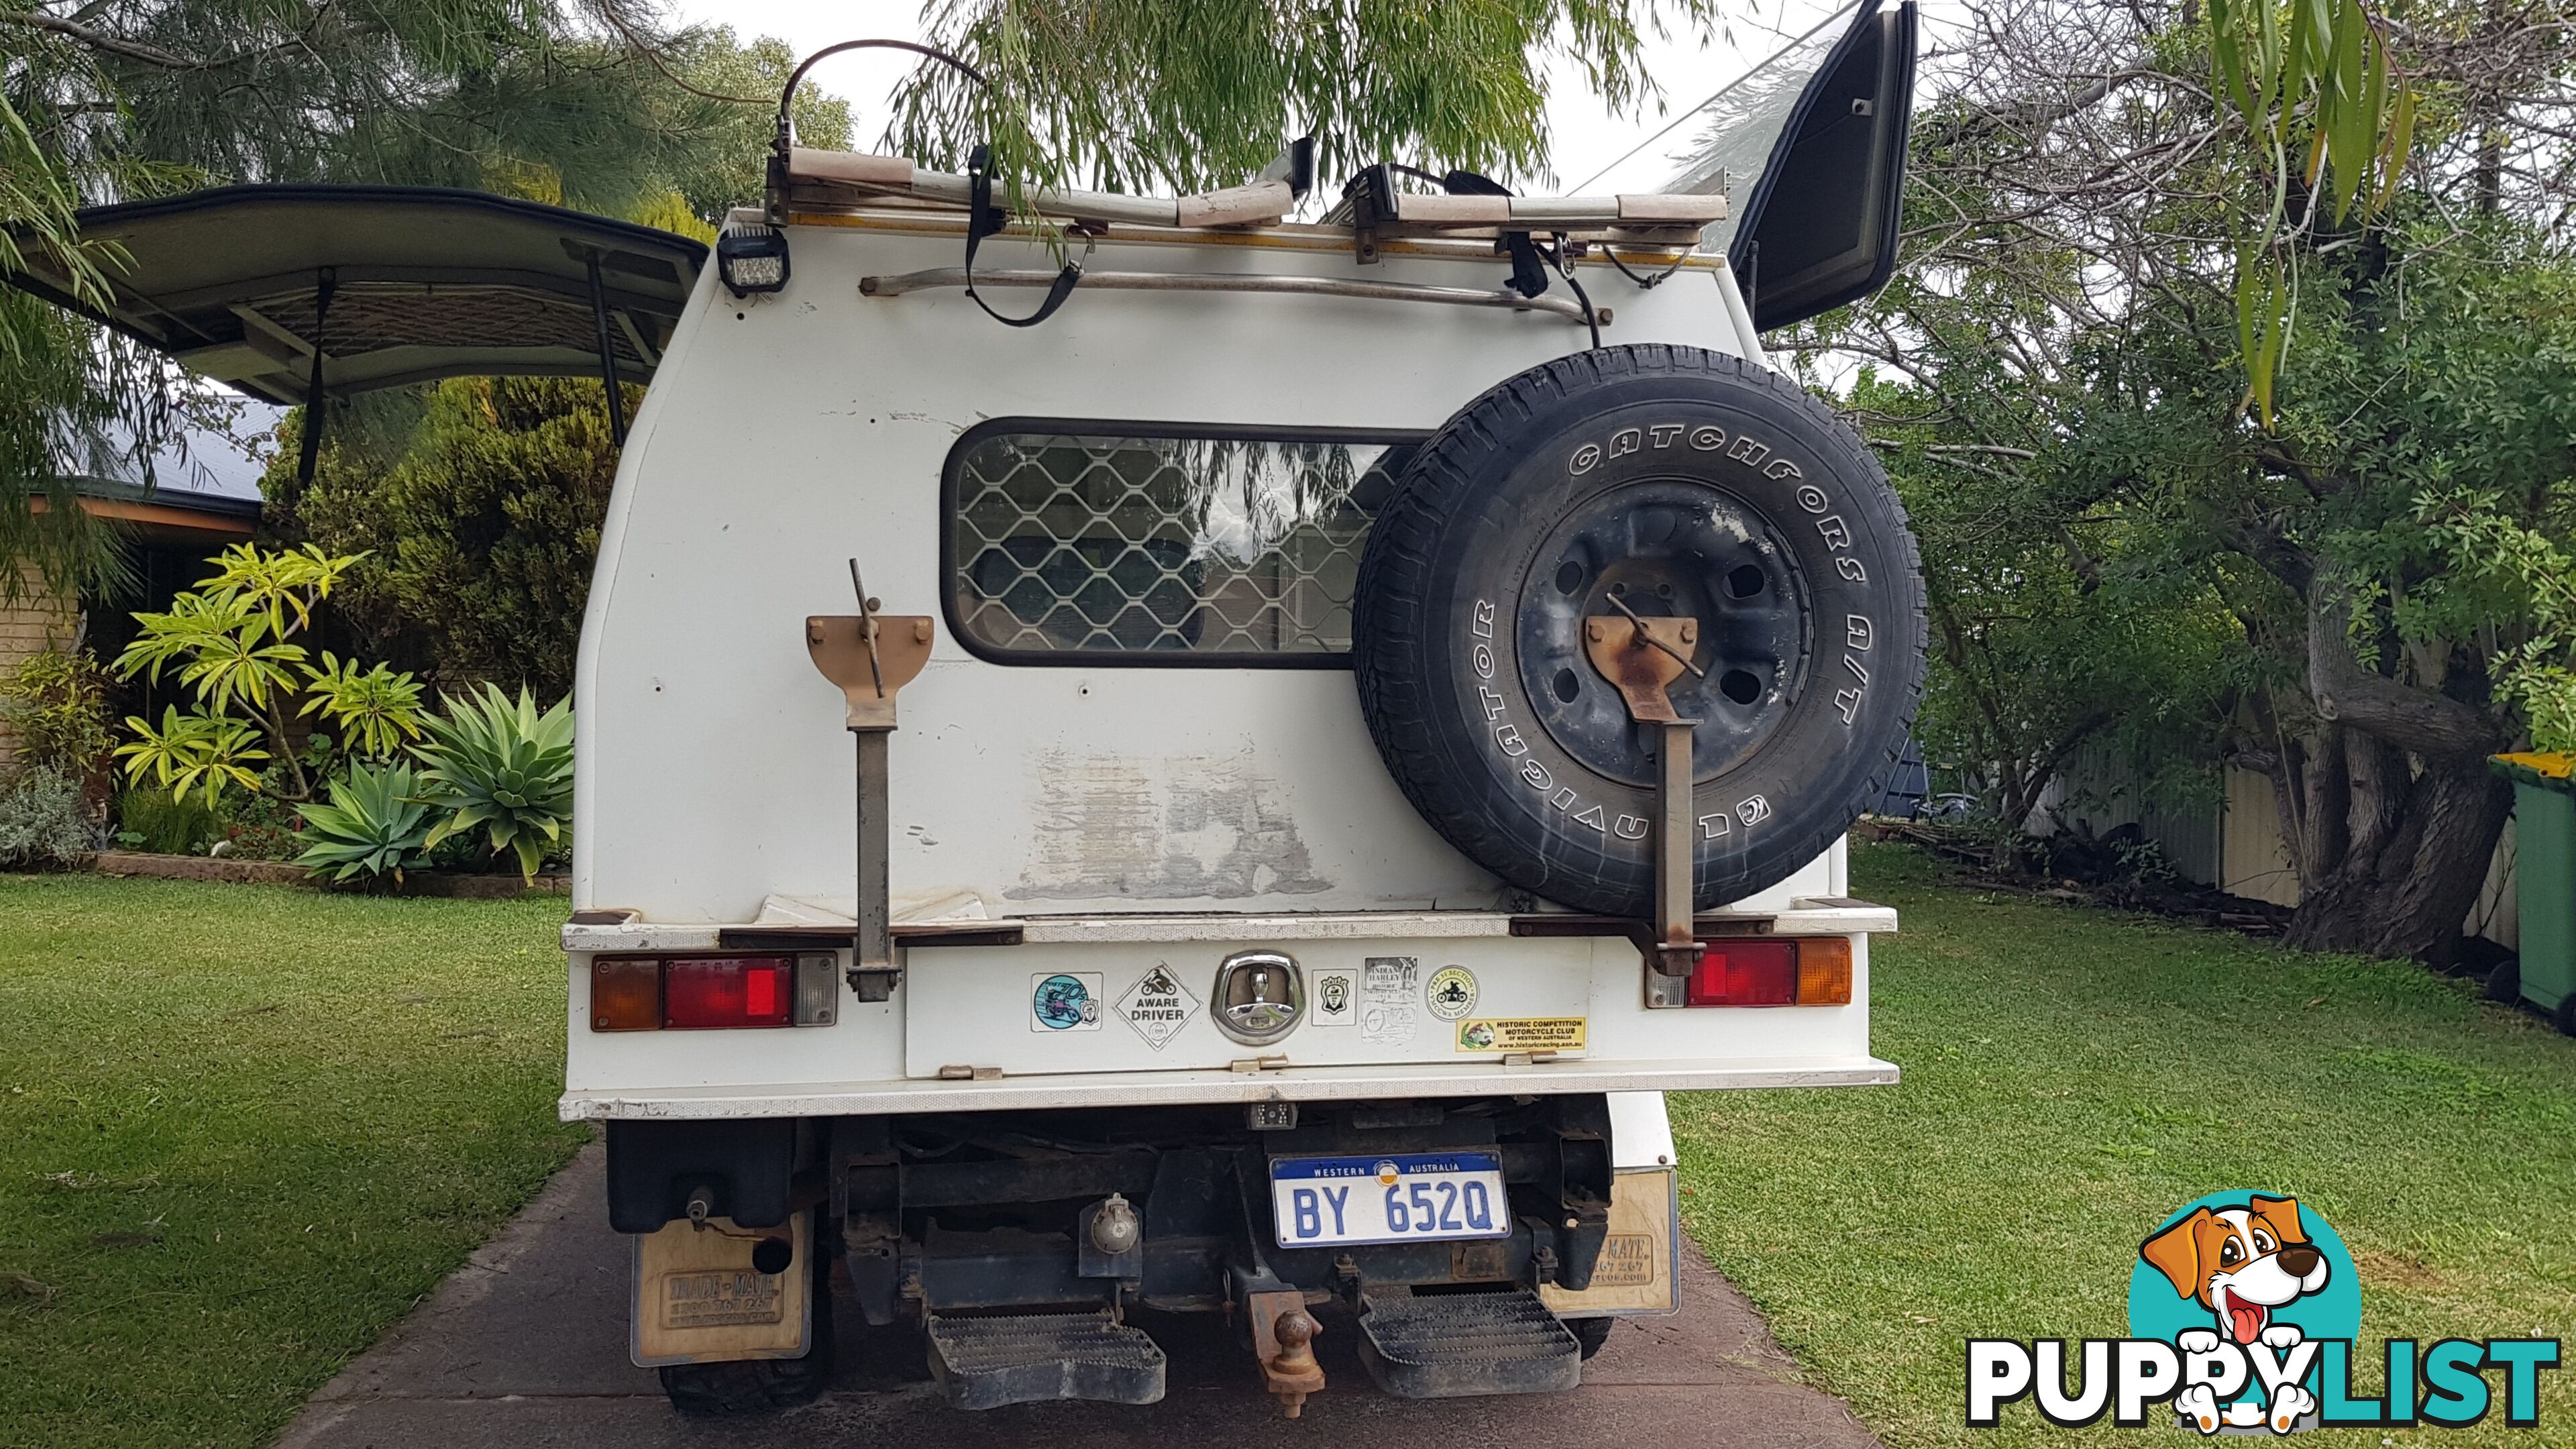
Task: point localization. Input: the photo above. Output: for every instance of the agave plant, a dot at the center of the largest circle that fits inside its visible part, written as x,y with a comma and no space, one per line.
499,766
377,822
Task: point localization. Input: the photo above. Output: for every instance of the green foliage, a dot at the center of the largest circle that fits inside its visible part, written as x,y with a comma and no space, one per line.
726,164
1136,94
567,101
55,707
156,820
503,769
2315,71
378,709
43,822
193,752
376,824
478,525
227,640
2489,545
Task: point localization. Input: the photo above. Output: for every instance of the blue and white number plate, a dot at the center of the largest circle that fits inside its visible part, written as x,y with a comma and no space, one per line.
1402,1198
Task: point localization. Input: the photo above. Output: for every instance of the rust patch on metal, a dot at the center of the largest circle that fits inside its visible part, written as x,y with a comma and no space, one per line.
1641,657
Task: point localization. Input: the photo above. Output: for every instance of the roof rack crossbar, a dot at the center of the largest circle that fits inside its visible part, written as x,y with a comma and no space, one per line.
935,278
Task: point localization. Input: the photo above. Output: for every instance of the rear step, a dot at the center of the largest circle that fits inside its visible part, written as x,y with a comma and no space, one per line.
1455,1345
1031,1358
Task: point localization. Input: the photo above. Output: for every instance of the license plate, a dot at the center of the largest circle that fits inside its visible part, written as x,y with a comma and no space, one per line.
1406,1197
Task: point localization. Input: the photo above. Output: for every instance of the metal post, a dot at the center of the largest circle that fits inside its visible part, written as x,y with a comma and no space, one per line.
325,283
1673,838
876,936
607,354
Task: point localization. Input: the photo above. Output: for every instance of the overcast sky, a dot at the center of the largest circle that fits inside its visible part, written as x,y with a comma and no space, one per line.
1587,137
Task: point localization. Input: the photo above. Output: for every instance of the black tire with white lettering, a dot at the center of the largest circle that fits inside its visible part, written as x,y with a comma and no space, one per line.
1677,482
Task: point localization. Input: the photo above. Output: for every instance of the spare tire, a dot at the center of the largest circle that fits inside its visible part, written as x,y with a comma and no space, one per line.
1682,482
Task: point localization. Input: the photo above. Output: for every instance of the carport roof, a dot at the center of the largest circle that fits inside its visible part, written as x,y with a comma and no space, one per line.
423,282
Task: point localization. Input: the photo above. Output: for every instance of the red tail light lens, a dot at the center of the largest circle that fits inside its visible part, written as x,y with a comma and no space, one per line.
1745,973
719,991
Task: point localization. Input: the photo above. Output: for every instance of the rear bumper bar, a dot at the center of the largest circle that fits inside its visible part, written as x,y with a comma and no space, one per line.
1141,1089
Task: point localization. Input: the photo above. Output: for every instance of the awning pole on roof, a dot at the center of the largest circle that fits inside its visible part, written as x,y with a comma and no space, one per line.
325,282
607,354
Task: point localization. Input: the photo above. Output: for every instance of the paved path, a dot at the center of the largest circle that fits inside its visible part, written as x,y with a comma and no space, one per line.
526,1347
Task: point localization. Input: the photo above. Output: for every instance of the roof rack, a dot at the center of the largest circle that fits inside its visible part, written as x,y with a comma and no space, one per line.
817,183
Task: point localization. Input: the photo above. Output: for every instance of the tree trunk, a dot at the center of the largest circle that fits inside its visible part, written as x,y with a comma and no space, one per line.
2414,854
2392,813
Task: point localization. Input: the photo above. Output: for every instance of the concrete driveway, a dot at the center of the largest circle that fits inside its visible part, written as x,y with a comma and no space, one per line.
526,1346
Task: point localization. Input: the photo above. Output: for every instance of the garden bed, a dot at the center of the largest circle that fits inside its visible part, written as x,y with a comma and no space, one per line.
282,872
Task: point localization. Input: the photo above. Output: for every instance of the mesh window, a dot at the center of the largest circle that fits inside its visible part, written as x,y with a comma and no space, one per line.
1178,549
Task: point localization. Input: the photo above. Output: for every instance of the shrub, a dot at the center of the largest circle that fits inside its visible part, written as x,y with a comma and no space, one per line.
42,824
377,823
503,769
160,821
55,706
260,827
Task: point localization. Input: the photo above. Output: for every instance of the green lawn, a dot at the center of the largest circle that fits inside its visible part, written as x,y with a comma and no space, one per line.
242,1130
2074,1075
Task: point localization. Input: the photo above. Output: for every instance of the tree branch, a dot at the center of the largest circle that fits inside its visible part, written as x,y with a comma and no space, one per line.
2415,719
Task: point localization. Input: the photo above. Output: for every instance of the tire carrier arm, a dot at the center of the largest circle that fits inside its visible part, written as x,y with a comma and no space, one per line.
871,656
1641,656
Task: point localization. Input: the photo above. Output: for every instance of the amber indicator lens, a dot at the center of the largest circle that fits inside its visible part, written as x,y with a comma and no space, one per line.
1824,971
625,993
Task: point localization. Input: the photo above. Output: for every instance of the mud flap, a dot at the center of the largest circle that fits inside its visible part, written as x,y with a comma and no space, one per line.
1638,1268
700,1299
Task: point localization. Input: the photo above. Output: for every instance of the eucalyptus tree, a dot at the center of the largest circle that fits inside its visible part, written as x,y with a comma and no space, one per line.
2072,337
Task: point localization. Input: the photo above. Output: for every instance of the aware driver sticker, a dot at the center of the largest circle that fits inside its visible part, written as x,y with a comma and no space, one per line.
1158,1006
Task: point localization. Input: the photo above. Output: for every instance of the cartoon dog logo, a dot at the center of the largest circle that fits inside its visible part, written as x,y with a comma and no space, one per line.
2241,1264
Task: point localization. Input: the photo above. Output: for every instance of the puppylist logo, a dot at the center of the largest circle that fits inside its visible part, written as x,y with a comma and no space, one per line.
2245,1316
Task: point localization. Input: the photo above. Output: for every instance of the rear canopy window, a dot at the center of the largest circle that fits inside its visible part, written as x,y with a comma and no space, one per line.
1148,544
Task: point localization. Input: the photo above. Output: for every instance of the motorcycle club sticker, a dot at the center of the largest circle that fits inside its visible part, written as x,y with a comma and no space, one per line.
1064,1001
2245,1317
1451,993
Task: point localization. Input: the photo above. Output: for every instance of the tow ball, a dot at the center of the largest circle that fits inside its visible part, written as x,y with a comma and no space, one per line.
871,656
1642,656
1283,1338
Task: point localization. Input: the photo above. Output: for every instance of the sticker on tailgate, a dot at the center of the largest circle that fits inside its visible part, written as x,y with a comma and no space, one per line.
1522,1034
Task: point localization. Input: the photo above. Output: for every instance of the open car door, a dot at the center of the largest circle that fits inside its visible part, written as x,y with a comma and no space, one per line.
290,293
1820,226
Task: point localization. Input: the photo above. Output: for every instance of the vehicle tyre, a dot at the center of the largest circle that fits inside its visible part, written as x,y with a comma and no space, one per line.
761,1385
1682,482
1590,1332
2565,1015
2504,983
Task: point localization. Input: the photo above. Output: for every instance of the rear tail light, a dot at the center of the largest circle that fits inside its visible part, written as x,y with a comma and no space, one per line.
1824,971
647,993
726,991
1808,971
625,994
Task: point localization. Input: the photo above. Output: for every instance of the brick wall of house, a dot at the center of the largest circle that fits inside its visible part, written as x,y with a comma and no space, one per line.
35,621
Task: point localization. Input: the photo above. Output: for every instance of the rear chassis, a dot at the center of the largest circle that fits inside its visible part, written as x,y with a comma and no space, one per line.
947,1192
